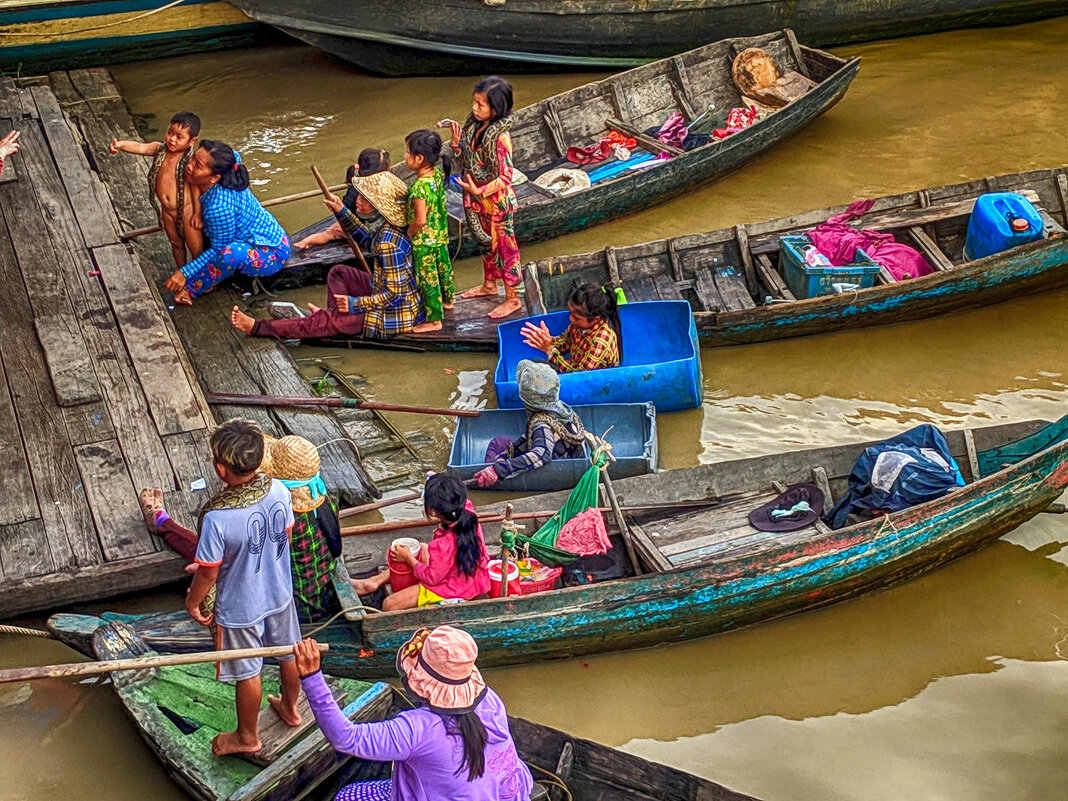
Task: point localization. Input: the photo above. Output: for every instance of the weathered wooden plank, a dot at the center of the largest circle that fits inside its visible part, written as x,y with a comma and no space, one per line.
90,422
795,51
61,499
69,366
676,262
666,289
7,171
18,503
1062,195
771,278
973,457
650,143
646,548
190,457
640,288
934,254
732,288
619,100
24,551
819,476
704,286
95,83
686,94
113,501
556,131
742,238
162,377
87,195
276,736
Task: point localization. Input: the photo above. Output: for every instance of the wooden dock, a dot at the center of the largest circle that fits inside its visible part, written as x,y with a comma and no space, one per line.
101,389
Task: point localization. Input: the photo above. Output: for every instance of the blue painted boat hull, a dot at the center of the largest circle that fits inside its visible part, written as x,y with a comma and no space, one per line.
661,360
633,440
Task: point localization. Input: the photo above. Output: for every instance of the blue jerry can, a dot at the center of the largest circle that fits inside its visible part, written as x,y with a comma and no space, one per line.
999,221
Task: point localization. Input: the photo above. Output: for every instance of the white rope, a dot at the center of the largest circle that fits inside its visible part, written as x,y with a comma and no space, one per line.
101,26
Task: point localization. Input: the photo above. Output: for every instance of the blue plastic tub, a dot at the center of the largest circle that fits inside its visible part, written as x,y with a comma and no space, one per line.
811,282
633,440
990,227
661,360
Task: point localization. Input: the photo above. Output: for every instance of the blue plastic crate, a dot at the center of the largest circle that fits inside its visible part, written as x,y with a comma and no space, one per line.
811,282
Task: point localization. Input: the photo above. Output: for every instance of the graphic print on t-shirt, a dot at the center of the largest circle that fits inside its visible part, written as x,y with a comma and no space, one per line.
260,529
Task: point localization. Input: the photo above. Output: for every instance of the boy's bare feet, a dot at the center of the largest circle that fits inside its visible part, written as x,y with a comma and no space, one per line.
426,328
183,297
239,320
510,306
484,291
228,742
151,505
287,712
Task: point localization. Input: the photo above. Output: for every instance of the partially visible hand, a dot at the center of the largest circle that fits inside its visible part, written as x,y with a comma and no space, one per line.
487,476
537,336
306,653
198,222
342,302
198,615
176,283
333,202
456,131
9,144
402,554
469,185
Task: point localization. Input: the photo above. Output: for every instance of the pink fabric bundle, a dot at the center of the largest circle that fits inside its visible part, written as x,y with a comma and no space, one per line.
584,534
737,120
674,130
838,241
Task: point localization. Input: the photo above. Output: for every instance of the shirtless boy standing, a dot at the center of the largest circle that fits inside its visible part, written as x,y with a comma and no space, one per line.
176,204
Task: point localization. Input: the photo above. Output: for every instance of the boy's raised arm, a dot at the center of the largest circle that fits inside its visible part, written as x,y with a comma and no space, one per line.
137,148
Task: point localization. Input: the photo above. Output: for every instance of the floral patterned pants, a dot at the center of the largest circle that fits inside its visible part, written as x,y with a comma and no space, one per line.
238,257
502,259
433,274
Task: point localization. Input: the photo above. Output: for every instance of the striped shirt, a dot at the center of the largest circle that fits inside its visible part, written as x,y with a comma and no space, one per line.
537,450
394,305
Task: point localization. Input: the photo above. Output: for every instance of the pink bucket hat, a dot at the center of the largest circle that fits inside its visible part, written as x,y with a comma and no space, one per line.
439,667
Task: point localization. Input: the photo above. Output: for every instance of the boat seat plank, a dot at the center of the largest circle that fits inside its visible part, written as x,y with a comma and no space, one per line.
820,479
640,288
732,287
650,143
18,502
704,286
674,533
973,456
771,279
24,551
743,541
927,246
652,557
667,289
276,736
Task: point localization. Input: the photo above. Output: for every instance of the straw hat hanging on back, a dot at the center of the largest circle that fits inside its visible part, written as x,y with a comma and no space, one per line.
295,462
387,193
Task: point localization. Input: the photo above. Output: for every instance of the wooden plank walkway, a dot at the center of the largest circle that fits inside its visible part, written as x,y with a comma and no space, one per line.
101,391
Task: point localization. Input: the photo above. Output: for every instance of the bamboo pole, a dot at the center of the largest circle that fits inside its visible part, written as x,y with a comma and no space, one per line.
620,522
219,398
351,388
138,663
348,237
275,201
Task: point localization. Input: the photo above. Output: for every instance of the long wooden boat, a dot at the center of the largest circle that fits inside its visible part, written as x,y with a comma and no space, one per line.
702,570
41,35
432,37
178,710
630,101
733,280
631,431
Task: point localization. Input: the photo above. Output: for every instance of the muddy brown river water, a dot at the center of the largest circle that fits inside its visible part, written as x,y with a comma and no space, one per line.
952,687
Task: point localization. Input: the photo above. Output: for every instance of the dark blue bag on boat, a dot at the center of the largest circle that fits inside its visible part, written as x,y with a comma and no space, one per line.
902,471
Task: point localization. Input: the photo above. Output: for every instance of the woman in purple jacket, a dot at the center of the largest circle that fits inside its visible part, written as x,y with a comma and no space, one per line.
456,744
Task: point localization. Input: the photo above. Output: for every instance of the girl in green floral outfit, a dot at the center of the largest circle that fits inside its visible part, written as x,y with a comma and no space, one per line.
428,226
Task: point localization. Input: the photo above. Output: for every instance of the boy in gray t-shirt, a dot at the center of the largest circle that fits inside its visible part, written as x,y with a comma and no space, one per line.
243,551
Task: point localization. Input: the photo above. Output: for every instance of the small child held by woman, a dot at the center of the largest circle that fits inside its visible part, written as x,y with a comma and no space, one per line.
485,149
454,565
428,225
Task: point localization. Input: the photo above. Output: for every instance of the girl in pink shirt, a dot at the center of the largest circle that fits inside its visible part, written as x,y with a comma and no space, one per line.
453,565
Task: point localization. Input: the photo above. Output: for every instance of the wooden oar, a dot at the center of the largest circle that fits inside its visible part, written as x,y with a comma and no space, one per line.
419,522
370,507
276,201
348,238
95,668
336,403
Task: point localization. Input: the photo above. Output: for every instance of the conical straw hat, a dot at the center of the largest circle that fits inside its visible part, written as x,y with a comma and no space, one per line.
387,193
